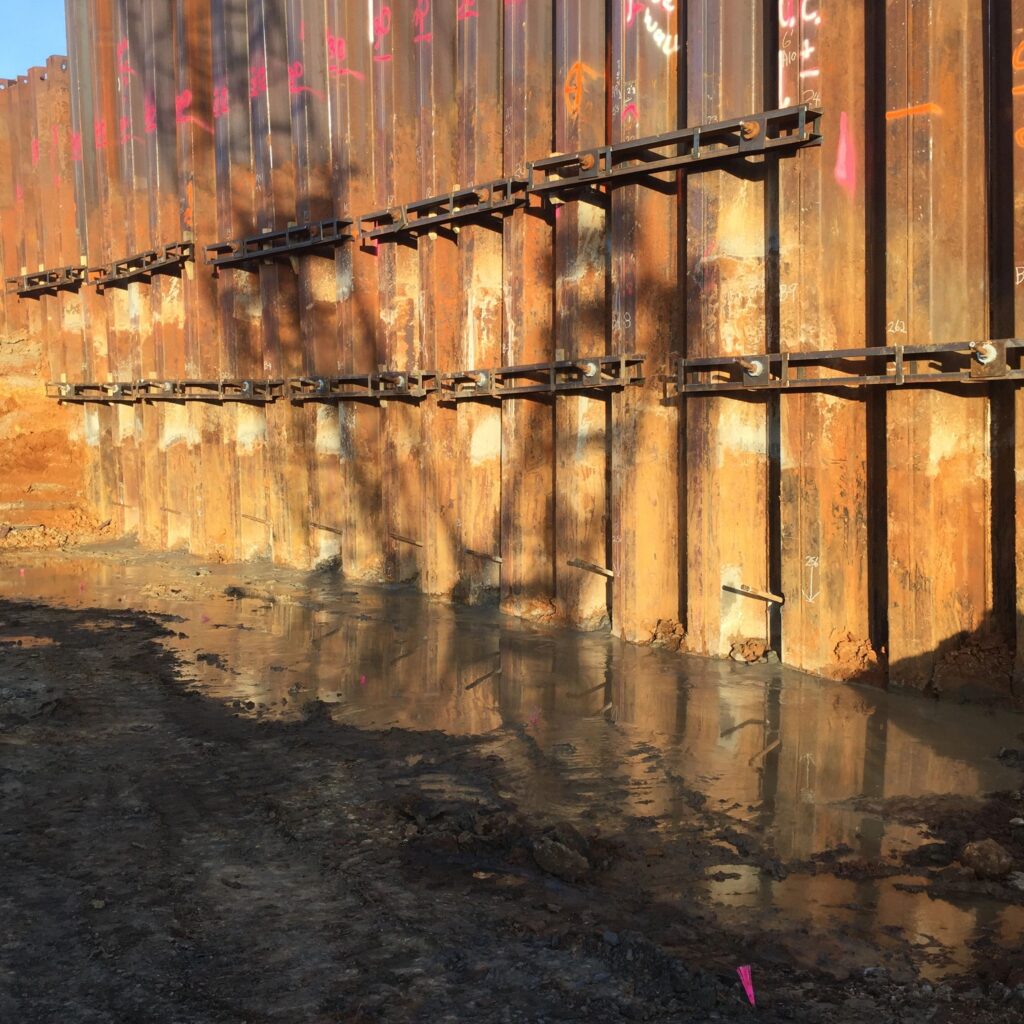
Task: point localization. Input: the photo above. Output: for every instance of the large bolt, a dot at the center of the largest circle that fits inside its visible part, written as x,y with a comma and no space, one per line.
754,367
984,352
750,129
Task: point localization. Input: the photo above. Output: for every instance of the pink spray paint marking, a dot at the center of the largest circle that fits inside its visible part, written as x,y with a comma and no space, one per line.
846,158
747,977
21,572
362,680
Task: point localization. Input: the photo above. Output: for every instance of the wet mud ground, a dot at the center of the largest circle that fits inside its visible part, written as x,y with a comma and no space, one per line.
237,793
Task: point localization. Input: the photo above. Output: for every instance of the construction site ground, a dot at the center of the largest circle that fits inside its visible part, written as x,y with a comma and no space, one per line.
241,793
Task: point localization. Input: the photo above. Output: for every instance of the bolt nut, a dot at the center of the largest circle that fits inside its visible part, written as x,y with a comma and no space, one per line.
750,130
587,162
589,368
984,353
482,379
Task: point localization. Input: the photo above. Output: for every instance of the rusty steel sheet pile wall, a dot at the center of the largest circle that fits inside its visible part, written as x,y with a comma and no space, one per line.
375,219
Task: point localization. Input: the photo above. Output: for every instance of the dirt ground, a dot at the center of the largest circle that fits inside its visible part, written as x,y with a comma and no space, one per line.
169,858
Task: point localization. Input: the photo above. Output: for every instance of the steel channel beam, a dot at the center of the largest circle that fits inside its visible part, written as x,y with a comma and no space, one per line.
646,307
105,213
145,68
396,135
244,425
823,488
1008,54
527,444
319,237
582,439
317,276
214,527
587,171
479,149
350,75
727,443
436,65
270,100
940,567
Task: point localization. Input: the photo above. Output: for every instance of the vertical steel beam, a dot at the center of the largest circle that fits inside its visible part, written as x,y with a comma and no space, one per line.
647,71
940,579
582,443
435,28
308,87
350,66
398,181
215,505
1014,46
245,426
527,442
103,423
270,98
821,296
727,438
479,333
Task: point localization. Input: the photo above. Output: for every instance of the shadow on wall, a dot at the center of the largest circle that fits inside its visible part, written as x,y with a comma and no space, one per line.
973,666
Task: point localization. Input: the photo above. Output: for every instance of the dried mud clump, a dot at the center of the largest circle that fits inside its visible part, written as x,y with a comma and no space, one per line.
670,634
856,658
749,651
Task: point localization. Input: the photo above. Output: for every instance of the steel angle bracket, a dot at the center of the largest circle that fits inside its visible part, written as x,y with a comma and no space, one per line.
166,259
964,362
258,392
586,373
449,211
46,282
567,176
112,391
321,238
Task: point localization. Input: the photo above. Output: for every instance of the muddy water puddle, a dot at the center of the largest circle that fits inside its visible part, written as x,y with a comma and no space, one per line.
593,729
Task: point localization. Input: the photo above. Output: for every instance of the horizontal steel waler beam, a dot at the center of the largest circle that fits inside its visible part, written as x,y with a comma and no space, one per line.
165,259
47,282
319,237
967,362
563,177
587,373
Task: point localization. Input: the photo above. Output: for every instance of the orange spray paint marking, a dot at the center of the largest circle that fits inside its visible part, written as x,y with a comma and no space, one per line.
920,108
574,87
1018,57
1018,137
846,158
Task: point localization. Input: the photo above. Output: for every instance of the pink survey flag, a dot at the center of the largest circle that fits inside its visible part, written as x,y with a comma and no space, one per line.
747,977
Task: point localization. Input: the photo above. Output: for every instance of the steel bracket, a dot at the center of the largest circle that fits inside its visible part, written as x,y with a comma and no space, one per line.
46,282
319,238
166,259
368,387
112,391
494,198
886,366
586,373
569,175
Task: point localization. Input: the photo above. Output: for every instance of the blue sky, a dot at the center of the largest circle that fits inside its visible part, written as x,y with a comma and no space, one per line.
30,31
